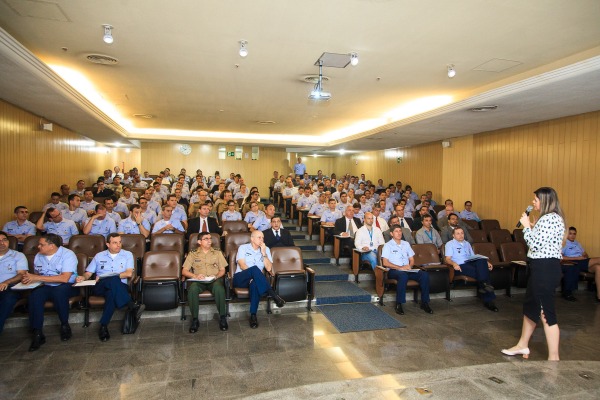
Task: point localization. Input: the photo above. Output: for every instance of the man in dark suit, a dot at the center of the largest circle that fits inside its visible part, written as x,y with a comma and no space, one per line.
347,226
203,223
277,236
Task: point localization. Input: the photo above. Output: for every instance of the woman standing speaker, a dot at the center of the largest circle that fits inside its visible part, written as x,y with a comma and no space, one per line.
544,240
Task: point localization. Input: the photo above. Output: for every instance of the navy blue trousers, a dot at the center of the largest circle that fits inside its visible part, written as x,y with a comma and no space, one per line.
571,275
115,293
59,295
256,282
403,277
478,269
8,299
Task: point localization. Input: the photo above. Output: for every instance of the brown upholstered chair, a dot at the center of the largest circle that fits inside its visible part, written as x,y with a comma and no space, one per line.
501,275
516,253
235,226
471,223
89,245
12,242
82,263
439,207
30,245
161,279
488,225
136,244
168,241
518,236
235,240
456,276
478,236
34,216
292,280
499,236
358,265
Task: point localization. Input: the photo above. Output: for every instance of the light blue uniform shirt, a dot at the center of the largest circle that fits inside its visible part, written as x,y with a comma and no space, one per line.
78,215
102,227
64,260
13,228
307,201
179,213
231,216
469,215
60,206
114,216
366,207
262,223
121,207
397,254
104,264
251,216
162,223
91,206
299,169
330,216
318,209
154,206
149,216
360,215
129,227
65,229
573,249
12,262
458,251
252,257
385,215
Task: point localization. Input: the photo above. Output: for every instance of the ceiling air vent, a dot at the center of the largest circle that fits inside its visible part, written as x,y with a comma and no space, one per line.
483,108
101,59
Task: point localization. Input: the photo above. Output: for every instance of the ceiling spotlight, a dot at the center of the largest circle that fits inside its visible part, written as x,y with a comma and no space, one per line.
243,48
451,71
317,93
353,59
108,38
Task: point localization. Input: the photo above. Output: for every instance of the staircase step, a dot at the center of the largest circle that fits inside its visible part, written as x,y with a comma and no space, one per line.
340,292
329,272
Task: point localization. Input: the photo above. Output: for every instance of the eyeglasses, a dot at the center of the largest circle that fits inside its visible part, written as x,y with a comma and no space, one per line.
3,240
207,238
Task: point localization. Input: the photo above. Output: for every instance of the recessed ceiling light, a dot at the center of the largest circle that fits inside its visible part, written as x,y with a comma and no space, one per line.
483,108
145,116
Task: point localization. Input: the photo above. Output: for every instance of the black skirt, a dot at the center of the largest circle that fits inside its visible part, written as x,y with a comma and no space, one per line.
544,275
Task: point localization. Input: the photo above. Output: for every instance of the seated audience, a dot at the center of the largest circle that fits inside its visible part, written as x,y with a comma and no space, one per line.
55,203
428,234
20,227
367,239
101,190
135,224
75,213
88,204
53,222
109,203
168,224
574,253
204,222
447,232
467,213
231,214
264,221
99,223
13,266
277,235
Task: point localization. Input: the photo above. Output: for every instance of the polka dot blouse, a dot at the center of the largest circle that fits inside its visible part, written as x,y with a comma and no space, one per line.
546,238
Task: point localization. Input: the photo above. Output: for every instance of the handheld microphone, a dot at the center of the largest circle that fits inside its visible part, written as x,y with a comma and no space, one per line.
527,211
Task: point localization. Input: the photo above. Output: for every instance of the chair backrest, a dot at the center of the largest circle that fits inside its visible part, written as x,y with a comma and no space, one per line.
235,226
30,259
478,236
425,253
12,242
122,214
518,236
82,263
89,245
135,243
513,251
487,249
34,216
471,223
488,225
167,241
165,264
234,240
215,241
30,245
439,207
232,259
287,259
499,236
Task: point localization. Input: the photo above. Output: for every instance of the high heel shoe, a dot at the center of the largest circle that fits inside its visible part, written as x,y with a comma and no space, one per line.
524,352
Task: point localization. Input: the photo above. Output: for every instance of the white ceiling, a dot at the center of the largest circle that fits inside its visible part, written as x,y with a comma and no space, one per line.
179,62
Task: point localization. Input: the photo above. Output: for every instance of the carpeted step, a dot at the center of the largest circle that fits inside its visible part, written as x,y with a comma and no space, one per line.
306,244
330,272
338,292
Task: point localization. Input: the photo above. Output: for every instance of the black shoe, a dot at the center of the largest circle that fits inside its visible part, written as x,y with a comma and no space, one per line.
38,340
223,324
399,309
279,302
425,307
195,325
491,306
103,333
253,321
569,297
65,332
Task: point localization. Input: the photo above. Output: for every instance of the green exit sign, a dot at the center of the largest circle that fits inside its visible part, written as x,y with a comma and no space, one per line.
230,154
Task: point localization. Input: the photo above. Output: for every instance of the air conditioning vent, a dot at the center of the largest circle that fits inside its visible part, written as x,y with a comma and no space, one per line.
101,59
483,108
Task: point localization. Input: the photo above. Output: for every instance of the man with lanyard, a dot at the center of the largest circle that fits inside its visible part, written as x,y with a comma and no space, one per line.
56,267
457,252
135,223
200,264
57,225
21,227
112,268
299,167
13,266
252,258
427,234
367,239
397,257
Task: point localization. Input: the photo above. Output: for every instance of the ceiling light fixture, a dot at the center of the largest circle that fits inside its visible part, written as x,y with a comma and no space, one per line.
354,59
108,38
451,71
317,93
243,48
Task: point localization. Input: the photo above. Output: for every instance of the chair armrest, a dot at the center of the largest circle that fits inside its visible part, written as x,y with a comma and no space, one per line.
380,278
502,264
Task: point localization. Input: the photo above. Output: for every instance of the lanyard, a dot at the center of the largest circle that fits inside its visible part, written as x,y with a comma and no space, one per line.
429,235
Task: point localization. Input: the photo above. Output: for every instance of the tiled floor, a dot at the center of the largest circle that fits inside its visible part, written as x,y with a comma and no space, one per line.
452,353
